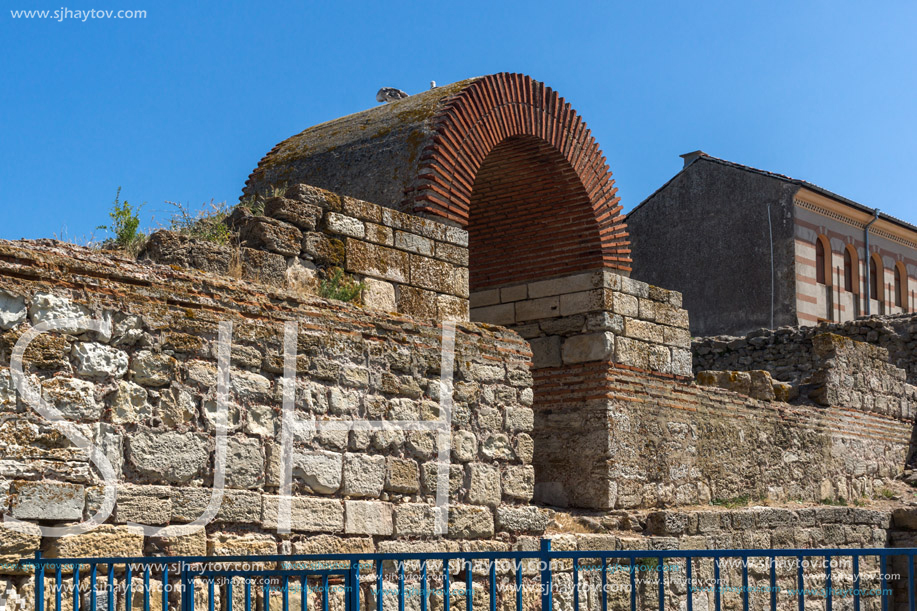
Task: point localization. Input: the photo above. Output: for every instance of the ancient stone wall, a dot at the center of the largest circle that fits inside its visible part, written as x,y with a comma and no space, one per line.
787,352
593,316
408,264
143,388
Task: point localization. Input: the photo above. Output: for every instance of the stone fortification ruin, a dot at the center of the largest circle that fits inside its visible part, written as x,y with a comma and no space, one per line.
572,407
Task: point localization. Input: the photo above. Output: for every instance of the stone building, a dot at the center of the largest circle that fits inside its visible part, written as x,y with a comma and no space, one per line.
749,248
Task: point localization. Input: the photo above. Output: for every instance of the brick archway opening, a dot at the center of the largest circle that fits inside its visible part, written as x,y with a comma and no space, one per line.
530,217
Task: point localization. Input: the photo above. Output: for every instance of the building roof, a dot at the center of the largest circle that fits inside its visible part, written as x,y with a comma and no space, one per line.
702,156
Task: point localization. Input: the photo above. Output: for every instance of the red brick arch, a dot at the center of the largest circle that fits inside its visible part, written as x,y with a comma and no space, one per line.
515,164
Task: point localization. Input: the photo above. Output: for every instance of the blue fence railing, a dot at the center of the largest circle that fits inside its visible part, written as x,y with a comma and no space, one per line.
857,579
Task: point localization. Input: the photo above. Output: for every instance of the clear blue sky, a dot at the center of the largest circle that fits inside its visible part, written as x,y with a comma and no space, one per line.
181,105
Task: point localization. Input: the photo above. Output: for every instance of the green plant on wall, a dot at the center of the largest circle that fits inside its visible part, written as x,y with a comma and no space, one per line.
341,286
125,224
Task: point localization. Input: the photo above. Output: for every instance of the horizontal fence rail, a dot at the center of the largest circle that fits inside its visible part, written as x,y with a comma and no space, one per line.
845,579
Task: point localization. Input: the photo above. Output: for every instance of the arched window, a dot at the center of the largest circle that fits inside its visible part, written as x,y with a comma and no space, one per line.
900,285
876,280
851,270
822,260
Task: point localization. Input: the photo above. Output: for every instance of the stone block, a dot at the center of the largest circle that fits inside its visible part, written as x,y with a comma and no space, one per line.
236,506
672,316
464,446
524,447
623,304
414,519
489,297
47,500
73,398
567,284
501,314
605,321
325,251
632,353
94,360
50,307
150,505
660,359
344,225
682,362
643,330
519,419
578,303
546,351
416,302
518,482
414,243
634,287
568,325
299,214
153,369
168,456
483,482
514,293
377,261
264,267
302,276
456,255
497,447
185,544
104,541
678,338
368,518
535,309
262,233
329,544
402,475
470,522
13,310
379,295
250,544
434,275
429,472
320,470
16,544
364,475
522,519
244,463
307,514
379,234
129,404
451,308
590,347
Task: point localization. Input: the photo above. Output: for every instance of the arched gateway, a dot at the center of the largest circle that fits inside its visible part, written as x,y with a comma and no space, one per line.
507,159
503,156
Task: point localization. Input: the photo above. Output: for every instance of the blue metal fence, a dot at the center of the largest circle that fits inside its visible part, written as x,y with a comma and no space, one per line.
615,579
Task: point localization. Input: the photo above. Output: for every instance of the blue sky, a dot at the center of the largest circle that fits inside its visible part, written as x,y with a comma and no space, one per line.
181,105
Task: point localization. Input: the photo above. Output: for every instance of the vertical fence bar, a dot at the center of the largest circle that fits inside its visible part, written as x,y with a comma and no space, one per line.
165,589
286,593
247,594
211,605
304,593
492,578
716,583
828,594
325,592
661,588
633,585
76,588
354,592
39,583
128,586
445,585
773,560
146,588
689,583
744,560
379,586
92,587
518,586
469,604
800,584
546,577
58,586
856,583
400,585
575,584
111,586
604,583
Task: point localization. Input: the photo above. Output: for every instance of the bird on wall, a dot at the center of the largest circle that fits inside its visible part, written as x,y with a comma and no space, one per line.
390,94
